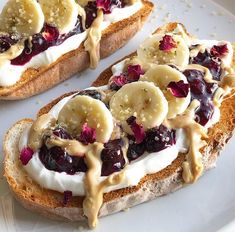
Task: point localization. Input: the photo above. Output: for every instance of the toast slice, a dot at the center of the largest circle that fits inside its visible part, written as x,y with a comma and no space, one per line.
34,81
169,179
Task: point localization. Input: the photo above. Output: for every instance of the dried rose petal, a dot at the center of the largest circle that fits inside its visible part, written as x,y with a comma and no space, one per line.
219,51
134,72
50,33
137,129
167,43
179,89
26,155
105,5
120,80
88,135
67,197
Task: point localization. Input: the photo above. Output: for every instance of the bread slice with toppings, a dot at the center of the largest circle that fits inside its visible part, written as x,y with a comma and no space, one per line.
174,176
37,79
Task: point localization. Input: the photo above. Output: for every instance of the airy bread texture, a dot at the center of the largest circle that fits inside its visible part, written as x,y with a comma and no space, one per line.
49,203
34,81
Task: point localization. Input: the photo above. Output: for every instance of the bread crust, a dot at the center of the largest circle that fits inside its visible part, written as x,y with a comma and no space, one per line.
35,81
49,203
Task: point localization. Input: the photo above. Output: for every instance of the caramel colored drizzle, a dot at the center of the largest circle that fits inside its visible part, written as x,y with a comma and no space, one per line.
82,13
95,189
37,130
72,147
207,77
192,167
93,40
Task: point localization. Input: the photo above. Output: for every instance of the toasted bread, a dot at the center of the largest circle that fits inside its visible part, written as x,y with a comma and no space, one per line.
49,203
34,81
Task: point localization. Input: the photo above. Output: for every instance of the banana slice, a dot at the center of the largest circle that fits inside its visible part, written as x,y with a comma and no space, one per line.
149,51
84,109
24,17
161,76
140,99
60,13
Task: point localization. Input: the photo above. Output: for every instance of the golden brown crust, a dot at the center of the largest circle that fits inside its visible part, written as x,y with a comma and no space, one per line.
49,200
34,81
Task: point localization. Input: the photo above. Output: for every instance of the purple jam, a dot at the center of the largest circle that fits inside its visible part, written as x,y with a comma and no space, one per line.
157,139
106,5
91,93
135,150
61,133
112,157
48,37
7,41
132,74
56,159
202,91
209,61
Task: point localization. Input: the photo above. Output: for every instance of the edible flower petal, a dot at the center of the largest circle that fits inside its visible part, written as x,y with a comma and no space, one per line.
134,72
219,51
167,43
50,33
137,129
179,89
67,197
26,155
105,5
120,80
88,135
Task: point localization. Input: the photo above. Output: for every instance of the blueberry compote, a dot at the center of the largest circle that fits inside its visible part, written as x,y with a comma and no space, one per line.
48,37
112,157
6,41
91,93
56,159
106,5
157,139
213,63
203,92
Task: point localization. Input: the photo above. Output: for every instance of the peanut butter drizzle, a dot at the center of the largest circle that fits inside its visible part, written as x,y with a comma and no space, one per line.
37,130
207,77
200,48
228,81
95,189
192,167
82,13
72,147
92,43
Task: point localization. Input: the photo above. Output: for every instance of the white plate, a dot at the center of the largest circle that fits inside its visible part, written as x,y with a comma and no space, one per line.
208,205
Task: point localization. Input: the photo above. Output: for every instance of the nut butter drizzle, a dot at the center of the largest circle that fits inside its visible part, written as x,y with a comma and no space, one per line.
38,129
92,44
95,189
192,167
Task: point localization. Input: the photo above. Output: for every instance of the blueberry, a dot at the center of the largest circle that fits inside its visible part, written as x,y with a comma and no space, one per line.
91,93
112,157
58,160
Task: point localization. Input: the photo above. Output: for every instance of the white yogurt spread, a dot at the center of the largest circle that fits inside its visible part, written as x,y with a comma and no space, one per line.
146,164
10,74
